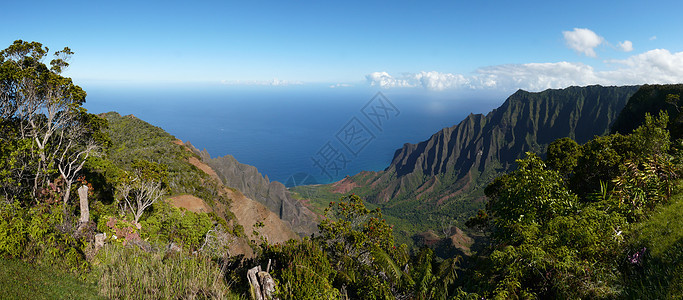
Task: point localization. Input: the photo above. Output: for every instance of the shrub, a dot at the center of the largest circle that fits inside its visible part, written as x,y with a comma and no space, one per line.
13,230
171,224
41,234
303,270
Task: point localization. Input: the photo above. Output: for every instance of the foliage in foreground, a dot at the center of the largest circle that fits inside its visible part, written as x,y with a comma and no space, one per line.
592,221
41,234
50,146
581,224
354,256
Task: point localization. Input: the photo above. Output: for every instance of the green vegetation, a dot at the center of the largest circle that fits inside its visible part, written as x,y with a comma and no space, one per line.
158,274
50,146
355,257
659,273
651,99
583,230
597,218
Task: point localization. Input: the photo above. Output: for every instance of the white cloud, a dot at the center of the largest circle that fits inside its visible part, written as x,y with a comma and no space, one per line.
654,37
273,82
536,76
625,46
583,40
430,80
655,66
340,85
383,79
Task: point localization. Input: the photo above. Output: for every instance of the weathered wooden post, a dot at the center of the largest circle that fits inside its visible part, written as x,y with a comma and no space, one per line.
85,210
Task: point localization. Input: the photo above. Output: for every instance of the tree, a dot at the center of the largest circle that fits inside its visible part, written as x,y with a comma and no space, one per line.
533,194
600,161
142,188
547,244
349,229
360,247
562,156
77,141
45,107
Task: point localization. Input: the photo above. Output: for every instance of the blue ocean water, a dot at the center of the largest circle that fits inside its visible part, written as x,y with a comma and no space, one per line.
320,132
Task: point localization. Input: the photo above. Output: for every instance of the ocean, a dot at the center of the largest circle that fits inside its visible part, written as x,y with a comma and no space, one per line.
294,134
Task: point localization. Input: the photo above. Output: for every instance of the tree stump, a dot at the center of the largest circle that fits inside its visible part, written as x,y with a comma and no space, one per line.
253,281
262,284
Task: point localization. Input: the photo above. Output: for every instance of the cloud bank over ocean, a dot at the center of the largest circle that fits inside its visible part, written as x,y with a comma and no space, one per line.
654,66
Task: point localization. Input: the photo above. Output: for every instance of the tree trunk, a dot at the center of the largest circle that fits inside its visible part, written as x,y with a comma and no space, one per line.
67,192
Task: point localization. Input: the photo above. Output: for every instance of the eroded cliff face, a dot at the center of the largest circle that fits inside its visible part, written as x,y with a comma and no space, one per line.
271,194
463,158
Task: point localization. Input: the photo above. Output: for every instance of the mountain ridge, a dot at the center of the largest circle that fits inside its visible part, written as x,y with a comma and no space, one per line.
456,162
272,194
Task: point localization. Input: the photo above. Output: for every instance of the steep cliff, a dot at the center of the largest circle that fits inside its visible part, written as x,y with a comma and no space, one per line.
272,194
445,174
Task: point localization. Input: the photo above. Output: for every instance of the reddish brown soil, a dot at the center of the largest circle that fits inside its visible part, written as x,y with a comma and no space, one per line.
461,241
205,168
190,203
344,186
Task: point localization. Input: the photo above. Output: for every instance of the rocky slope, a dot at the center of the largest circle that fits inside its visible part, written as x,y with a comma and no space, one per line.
445,174
272,194
247,211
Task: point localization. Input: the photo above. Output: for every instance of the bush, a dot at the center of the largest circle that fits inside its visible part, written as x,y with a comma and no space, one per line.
41,234
13,230
171,224
303,270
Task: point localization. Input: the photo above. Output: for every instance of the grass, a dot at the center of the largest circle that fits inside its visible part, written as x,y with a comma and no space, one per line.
22,280
661,274
130,273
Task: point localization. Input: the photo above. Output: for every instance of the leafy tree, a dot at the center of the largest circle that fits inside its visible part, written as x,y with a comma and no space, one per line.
45,108
601,160
562,156
547,243
303,269
544,238
361,249
16,163
185,228
531,195
432,280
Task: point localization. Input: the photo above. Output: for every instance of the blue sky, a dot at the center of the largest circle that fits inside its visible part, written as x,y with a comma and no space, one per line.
440,45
